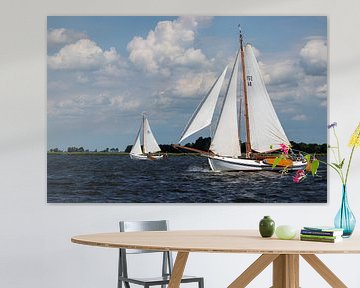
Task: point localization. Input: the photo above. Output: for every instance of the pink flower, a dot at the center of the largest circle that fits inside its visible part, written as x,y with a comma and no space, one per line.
284,149
300,175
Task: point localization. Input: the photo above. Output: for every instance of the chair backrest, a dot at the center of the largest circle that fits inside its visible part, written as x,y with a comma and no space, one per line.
134,226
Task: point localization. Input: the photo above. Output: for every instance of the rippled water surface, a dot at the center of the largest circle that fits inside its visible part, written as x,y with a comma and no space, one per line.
179,179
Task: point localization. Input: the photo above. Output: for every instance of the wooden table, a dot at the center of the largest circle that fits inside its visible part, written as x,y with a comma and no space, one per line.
284,254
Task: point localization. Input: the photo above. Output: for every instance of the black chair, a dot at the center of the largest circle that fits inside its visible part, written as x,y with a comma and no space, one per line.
167,265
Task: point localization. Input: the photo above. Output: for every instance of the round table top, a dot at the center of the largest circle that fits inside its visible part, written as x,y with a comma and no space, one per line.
217,241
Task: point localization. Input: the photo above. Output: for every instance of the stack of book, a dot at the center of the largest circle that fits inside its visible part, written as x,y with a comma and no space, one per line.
321,234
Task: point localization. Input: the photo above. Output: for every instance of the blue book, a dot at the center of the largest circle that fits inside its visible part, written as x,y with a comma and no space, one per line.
322,231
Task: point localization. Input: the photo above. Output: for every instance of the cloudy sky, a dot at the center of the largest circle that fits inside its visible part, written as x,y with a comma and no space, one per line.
104,72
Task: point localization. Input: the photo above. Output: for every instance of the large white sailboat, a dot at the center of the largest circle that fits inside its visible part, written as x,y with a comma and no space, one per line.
264,133
150,145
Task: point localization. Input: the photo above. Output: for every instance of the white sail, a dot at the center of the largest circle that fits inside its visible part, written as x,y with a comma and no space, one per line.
225,141
266,132
150,144
204,112
136,148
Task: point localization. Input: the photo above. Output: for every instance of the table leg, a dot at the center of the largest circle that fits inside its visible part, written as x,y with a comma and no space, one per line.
253,270
178,270
324,271
286,271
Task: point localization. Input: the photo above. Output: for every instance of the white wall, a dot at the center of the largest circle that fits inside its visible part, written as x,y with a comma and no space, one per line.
35,248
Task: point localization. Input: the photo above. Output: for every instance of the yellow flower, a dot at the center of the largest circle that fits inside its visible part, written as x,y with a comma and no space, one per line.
355,138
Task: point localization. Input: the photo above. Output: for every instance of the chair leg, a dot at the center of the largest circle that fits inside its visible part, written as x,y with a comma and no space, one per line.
120,270
126,284
201,283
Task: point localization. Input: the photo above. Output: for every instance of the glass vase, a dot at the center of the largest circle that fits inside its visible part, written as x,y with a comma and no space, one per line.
345,219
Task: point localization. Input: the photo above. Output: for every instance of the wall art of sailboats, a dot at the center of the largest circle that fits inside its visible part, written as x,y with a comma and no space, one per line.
149,147
264,133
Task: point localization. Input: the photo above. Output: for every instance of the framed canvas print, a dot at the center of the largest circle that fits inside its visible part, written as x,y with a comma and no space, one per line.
167,109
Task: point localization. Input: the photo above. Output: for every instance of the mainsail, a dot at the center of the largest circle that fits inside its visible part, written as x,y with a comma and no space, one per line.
204,112
150,144
136,148
266,131
225,141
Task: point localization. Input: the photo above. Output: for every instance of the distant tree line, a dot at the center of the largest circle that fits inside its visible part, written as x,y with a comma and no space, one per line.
81,149
55,150
200,143
204,145
310,148
76,149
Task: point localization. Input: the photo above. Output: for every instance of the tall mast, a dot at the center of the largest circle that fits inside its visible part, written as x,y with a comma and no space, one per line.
246,113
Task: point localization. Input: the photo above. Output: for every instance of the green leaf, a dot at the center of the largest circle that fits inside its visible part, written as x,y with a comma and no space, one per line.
307,157
336,165
314,166
342,163
339,166
276,161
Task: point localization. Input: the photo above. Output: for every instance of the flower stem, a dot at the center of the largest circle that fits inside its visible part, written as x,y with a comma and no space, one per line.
338,146
340,172
334,154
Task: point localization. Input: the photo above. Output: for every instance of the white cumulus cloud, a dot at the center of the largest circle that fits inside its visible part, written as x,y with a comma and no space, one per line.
123,103
84,104
83,54
301,77
314,57
61,36
281,72
192,84
170,44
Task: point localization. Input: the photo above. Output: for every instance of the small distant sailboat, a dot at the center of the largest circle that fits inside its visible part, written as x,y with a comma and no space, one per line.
150,145
264,133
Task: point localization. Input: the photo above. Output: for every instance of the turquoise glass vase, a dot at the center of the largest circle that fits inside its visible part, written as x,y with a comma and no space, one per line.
345,219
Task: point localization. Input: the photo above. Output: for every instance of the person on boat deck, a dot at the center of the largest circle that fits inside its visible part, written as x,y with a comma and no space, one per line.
300,157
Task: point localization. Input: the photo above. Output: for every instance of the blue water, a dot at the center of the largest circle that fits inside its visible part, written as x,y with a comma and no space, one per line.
182,179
